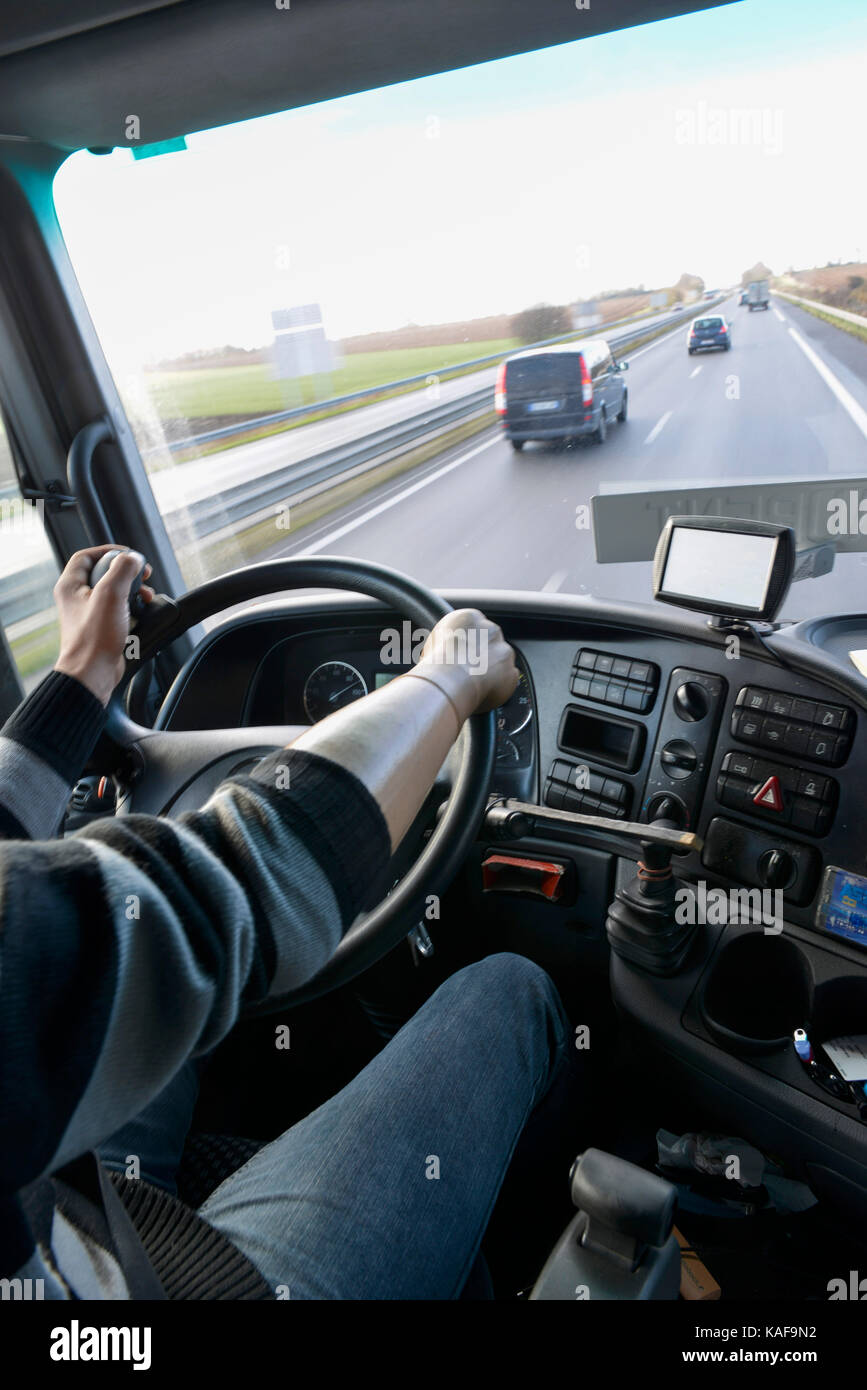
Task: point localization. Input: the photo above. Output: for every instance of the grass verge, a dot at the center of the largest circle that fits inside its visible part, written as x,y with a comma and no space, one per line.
35,651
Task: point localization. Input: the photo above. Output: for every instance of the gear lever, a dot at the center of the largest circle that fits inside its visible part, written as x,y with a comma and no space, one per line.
641,921
136,602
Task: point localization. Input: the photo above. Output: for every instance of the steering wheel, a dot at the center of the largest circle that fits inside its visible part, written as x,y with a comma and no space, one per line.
176,772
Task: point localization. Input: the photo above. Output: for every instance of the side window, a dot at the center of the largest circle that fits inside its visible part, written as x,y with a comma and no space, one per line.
28,573
597,365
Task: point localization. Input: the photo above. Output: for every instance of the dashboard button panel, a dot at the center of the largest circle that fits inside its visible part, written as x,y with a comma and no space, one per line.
804,728
573,787
778,793
614,680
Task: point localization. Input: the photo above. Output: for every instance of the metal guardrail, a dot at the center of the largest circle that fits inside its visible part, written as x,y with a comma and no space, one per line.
299,412
845,314
315,474
22,594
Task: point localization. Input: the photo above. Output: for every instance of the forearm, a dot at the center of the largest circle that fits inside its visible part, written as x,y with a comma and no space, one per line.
394,741
130,946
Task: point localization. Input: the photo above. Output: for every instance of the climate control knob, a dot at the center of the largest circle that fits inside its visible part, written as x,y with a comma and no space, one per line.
667,806
777,869
691,702
679,759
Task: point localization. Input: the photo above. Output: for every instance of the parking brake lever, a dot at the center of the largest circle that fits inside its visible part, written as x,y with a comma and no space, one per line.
642,924
508,819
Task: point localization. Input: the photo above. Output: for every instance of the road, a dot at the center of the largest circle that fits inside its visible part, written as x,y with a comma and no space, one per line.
789,400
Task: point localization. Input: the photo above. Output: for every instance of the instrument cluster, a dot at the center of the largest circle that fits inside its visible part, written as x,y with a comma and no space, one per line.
336,681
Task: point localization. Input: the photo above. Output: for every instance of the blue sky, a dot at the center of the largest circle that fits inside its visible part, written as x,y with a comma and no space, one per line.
696,144
736,38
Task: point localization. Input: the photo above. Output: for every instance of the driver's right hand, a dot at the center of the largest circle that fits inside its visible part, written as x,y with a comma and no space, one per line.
467,654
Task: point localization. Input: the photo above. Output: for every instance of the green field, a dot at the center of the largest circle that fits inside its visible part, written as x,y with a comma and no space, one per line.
249,391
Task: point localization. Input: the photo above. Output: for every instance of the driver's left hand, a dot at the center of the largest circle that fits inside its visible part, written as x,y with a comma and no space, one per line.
94,623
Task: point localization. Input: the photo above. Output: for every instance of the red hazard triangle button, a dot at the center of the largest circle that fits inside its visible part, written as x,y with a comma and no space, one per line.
770,795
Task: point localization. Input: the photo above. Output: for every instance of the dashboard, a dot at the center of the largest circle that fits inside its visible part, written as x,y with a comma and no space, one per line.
636,712
762,760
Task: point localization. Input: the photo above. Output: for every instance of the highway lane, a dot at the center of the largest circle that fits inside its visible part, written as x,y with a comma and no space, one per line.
484,516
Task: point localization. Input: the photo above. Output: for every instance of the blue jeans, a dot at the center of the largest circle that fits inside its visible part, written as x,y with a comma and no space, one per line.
385,1191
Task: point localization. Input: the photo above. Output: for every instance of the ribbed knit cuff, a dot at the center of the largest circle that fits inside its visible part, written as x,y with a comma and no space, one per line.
60,721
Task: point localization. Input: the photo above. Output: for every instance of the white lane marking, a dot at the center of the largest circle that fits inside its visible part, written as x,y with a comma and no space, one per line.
665,338
780,316
553,583
658,427
341,531
848,401
695,371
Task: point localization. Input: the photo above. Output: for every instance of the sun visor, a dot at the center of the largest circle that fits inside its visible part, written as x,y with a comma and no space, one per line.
828,512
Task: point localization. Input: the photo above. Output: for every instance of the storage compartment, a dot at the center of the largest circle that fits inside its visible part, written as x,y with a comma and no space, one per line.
758,992
616,742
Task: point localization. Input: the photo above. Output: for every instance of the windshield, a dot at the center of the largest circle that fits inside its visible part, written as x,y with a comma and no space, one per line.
305,314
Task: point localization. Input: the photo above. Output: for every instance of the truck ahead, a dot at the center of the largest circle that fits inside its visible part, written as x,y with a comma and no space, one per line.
758,295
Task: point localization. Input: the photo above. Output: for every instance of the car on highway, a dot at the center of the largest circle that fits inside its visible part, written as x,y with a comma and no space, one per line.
744,297
571,391
711,331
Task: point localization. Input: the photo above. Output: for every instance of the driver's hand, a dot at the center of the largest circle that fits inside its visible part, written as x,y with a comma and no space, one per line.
469,657
94,623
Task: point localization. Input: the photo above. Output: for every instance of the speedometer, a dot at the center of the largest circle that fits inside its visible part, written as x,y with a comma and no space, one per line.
517,712
331,686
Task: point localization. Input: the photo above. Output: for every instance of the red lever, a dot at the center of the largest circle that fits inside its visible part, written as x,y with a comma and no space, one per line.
513,873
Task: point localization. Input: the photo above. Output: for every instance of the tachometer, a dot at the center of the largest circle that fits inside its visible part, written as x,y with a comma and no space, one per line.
331,686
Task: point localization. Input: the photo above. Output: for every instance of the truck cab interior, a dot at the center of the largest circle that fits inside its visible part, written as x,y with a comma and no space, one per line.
662,756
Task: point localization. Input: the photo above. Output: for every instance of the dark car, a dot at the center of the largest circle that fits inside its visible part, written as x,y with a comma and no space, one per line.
713,331
561,393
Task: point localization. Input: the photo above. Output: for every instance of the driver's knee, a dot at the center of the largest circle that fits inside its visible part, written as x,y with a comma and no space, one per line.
519,999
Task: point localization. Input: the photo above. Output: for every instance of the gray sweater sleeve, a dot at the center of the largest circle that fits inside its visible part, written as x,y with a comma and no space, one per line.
130,946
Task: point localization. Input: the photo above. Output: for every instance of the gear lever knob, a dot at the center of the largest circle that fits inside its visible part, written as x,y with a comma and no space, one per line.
136,602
